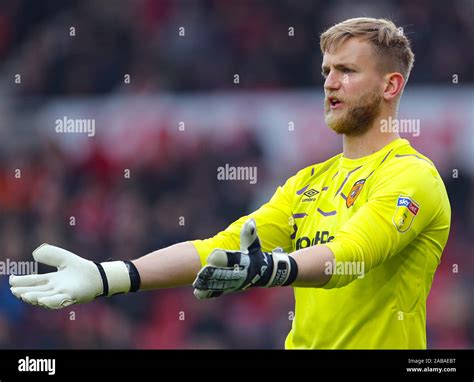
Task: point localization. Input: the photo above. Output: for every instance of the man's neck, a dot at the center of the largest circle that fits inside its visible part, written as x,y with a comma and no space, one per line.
373,140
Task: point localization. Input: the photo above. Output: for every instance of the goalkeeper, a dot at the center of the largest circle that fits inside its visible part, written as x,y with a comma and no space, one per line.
358,237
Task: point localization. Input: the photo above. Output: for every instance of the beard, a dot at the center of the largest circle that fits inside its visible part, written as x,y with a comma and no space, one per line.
358,118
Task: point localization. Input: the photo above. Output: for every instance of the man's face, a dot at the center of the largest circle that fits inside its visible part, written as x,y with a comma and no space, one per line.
353,87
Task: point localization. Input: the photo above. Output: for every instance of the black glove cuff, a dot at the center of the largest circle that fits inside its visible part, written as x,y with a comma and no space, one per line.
293,272
135,280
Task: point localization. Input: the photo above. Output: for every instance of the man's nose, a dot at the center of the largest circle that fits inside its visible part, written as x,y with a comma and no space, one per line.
332,82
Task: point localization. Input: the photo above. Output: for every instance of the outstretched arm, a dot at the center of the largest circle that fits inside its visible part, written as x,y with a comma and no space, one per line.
169,267
79,280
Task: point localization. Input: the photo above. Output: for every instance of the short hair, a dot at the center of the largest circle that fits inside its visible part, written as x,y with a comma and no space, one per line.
388,41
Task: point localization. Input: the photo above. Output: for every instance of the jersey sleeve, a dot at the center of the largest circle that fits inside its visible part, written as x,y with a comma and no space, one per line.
400,205
273,221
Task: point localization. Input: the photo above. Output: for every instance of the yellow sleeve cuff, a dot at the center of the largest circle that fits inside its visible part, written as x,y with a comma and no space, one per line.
203,250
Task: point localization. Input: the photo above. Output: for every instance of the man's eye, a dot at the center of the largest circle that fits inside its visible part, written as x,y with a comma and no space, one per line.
347,70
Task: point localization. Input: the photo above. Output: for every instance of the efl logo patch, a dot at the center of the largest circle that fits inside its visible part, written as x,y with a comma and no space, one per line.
406,211
354,192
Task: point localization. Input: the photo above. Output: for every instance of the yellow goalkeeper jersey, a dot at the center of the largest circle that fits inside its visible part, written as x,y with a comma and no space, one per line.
386,218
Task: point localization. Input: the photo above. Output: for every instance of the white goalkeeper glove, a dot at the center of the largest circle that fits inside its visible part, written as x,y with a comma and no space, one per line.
234,271
77,280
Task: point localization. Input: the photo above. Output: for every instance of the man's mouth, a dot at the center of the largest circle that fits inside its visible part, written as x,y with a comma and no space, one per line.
334,103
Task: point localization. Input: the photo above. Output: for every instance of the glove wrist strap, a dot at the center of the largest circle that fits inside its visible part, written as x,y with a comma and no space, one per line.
115,277
135,280
293,272
284,270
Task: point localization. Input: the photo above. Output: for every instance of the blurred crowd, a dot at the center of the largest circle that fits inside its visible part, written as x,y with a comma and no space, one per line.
65,47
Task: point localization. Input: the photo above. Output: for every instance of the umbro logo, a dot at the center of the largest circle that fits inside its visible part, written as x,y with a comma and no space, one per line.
309,195
311,192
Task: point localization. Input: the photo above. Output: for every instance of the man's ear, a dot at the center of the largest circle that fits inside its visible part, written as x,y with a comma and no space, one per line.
393,85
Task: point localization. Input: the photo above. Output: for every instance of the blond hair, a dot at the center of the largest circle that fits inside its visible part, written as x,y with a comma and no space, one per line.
390,44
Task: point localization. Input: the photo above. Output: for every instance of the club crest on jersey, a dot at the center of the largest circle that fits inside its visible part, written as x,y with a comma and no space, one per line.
406,211
354,192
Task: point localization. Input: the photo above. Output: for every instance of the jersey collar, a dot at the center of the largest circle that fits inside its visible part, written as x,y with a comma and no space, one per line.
380,154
